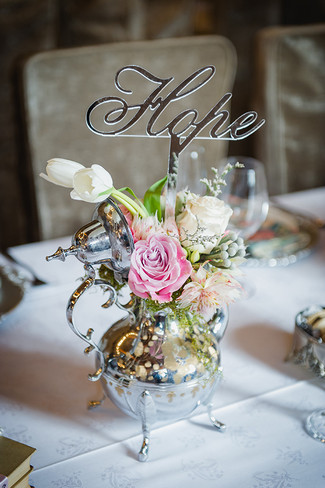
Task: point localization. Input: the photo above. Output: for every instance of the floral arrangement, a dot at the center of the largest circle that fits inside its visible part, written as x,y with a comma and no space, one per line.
188,263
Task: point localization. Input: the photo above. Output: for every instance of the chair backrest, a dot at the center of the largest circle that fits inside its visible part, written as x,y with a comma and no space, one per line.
290,95
60,85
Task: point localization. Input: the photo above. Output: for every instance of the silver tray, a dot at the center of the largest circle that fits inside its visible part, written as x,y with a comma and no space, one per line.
284,238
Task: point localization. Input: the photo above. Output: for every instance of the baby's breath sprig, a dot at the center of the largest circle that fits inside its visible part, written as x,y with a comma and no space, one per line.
214,186
197,238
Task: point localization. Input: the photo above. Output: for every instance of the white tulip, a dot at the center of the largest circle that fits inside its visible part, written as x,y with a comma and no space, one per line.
89,183
61,172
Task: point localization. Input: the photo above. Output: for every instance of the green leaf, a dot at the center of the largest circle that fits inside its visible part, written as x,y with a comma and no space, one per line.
152,197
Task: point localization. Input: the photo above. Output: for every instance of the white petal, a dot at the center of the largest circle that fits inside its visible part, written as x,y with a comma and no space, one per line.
82,181
67,162
61,171
42,175
89,183
103,175
74,195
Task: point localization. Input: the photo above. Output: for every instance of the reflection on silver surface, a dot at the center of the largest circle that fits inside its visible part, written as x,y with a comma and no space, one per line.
308,347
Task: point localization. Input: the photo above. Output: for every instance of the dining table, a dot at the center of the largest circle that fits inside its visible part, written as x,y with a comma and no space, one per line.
263,398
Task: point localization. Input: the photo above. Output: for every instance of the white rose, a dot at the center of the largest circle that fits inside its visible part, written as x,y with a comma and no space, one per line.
202,222
61,172
89,183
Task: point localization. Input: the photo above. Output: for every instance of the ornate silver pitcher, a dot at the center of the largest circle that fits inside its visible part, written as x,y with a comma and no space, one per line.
146,362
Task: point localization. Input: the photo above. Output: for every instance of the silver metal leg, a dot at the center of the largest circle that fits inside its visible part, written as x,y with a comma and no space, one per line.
209,404
147,411
217,424
144,451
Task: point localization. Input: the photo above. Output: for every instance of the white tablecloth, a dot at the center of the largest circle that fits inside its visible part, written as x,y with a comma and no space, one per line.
263,399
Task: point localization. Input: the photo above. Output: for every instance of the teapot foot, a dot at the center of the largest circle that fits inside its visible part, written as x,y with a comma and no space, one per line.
144,451
95,403
147,413
216,423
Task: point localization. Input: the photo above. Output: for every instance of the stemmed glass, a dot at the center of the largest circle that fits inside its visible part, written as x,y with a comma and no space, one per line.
246,193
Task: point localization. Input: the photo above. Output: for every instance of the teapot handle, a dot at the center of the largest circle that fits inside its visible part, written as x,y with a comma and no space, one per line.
88,282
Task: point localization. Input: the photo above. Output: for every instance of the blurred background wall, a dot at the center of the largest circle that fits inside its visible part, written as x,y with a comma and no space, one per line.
30,26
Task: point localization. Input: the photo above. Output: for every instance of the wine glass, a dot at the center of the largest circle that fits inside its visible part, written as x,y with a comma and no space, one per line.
246,193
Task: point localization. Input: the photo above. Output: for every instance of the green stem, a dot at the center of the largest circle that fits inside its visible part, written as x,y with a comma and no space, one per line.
130,204
138,201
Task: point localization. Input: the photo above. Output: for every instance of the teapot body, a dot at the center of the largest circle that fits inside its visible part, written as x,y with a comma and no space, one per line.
152,352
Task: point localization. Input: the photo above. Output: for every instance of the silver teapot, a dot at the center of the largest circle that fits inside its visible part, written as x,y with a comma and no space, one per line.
145,361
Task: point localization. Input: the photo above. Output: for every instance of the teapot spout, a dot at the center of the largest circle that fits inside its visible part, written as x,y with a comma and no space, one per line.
105,240
61,253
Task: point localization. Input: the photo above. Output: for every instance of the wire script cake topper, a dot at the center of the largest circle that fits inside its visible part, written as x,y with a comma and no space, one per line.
121,117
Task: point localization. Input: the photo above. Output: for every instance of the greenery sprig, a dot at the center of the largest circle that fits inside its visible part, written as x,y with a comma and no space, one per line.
214,186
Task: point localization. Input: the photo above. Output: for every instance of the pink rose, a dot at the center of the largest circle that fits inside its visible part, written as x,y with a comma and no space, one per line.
158,268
